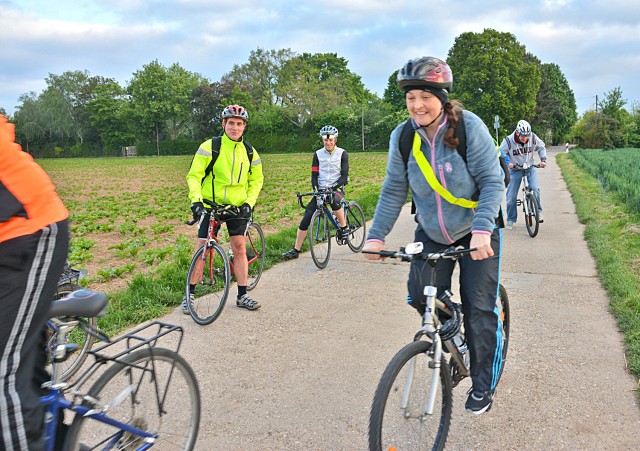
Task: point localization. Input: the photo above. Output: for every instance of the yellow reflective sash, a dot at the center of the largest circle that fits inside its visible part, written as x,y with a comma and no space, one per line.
427,171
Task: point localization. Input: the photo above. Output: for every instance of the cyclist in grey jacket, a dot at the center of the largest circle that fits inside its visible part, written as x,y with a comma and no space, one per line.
459,209
518,149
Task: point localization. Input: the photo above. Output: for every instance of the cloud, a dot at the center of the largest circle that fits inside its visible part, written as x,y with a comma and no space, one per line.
595,43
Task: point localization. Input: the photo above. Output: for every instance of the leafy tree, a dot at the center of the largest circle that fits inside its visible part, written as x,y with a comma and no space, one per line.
313,84
206,104
259,76
393,95
110,112
555,104
493,74
180,84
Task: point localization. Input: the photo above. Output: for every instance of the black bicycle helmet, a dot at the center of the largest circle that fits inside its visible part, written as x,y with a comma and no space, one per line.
425,72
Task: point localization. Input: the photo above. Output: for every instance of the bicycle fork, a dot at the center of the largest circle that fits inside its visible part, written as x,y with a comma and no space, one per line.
429,328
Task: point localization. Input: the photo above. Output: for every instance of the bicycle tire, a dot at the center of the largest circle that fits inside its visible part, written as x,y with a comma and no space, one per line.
213,280
83,339
391,426
357,225
320,238
532,218
255,250
145,371
503,309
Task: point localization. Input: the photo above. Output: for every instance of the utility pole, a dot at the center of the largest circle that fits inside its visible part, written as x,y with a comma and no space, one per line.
596,110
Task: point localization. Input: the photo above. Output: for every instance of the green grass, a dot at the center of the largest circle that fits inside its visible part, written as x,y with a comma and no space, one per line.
613,236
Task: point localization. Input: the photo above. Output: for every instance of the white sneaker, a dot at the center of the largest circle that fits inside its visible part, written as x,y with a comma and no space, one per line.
509,225
540,218
185,307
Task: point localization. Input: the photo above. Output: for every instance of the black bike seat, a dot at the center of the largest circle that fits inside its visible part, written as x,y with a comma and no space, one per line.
84,303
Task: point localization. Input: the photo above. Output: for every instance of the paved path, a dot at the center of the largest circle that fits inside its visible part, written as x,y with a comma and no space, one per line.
300,373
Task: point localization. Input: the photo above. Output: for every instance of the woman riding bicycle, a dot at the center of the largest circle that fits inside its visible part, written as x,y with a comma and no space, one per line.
457,201
329,170
518,149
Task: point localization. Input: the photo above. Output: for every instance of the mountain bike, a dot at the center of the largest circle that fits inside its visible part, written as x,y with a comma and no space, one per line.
211,267
69,282
323,218
412,404
528,201
141,395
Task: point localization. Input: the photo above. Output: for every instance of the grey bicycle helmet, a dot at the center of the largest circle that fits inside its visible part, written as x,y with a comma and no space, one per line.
235,111
328,131
425,72
523,128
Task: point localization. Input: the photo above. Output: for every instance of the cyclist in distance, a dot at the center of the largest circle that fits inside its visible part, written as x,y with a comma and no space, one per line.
457,204
329,170
34,241
233,180
518,148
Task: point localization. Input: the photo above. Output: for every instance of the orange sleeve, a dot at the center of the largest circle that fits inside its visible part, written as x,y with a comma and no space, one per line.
24,183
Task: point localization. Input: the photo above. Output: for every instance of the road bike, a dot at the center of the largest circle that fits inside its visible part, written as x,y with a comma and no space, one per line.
69,282
528,201
324,223
212,266
412,404
135,395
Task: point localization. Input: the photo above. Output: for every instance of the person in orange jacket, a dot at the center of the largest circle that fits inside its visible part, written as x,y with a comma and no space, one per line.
34,242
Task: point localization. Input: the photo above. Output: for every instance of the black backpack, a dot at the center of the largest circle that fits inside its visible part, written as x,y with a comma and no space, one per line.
406,144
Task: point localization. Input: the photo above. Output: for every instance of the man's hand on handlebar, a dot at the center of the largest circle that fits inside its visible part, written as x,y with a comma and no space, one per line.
482,243
198,210
374,246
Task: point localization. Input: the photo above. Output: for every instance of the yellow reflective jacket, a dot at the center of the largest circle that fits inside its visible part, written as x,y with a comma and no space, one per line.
234,185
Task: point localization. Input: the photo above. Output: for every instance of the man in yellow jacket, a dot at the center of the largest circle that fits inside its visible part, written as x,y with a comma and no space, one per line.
34,240
233,180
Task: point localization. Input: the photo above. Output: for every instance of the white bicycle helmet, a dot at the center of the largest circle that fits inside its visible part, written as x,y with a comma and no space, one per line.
523,128
235,111
328,131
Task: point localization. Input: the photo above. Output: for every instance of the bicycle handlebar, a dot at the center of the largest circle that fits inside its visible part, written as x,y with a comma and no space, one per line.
450,253
319,192
218,210
521,168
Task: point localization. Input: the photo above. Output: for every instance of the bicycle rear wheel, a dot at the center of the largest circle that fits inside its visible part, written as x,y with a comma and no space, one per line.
357,226
78,336
320,238
394,424
210,272
255,254
532,218
153,389
503,310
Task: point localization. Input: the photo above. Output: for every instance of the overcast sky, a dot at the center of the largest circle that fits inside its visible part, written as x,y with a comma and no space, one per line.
596,43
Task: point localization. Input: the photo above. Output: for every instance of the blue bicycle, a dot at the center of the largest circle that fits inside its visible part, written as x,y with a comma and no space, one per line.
322,221
147,396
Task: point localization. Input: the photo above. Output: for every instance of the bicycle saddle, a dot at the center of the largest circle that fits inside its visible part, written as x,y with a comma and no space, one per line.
83,302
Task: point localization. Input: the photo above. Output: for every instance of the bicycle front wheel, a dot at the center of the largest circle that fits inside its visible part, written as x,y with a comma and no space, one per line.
398,418
153,389
210,273
503,311
255,254
78,336
320,238
357,226
532,218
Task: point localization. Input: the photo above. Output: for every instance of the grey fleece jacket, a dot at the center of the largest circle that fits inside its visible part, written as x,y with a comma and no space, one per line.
480,179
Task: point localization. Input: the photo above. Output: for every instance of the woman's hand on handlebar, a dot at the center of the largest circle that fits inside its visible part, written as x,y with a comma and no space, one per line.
374,246
482,243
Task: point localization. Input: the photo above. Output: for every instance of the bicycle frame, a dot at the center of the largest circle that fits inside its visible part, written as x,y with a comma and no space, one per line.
215,222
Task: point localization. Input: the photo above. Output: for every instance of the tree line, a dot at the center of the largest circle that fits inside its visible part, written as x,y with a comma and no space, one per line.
289,96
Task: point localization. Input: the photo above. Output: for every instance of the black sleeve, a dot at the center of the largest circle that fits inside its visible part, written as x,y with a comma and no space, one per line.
315,171
344,171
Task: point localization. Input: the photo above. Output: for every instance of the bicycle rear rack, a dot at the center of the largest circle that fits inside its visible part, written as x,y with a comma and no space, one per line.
148,335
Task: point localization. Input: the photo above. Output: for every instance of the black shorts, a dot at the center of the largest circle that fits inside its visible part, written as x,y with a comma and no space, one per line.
235,226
